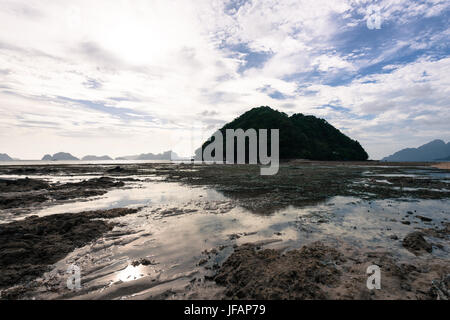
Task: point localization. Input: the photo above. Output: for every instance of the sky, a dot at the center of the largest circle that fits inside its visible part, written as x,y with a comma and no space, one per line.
128,77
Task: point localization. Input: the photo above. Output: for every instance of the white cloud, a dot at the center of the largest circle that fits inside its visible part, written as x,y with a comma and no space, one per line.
152,69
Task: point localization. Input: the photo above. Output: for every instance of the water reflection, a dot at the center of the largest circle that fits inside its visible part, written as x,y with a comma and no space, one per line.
142,194
176,244
178,223
130,273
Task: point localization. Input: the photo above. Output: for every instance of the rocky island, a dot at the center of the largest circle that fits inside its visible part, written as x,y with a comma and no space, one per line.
301,136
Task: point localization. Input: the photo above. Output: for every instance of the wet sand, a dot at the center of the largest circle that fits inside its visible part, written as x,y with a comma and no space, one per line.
199,231
29,246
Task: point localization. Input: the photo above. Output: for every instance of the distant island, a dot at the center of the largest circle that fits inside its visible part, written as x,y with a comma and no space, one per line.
301,136
64,156
95,158
436,150
5,157
60,156
168,155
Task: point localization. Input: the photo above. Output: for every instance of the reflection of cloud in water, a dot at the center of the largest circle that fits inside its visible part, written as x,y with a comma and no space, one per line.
148,193
130,273
175,243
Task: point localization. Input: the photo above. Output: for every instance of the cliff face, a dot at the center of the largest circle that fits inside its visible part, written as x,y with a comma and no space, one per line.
301,137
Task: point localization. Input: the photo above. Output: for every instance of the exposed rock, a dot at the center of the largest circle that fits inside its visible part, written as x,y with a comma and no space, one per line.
23,171
416,243
440,288
28,247
117,169
96,183
143,262
21,185
424,219
270,274
443,233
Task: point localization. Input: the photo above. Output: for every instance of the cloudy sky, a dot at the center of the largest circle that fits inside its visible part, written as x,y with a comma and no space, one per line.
129,77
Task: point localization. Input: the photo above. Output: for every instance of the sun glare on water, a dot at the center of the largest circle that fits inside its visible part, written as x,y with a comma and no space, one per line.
130,273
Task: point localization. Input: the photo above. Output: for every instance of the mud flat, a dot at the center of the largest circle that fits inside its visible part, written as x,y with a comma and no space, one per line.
225,231
301,183
28,247
320,271
25,193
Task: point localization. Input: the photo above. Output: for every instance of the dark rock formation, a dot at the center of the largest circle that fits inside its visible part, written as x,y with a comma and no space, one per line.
28,247
416,243
270,274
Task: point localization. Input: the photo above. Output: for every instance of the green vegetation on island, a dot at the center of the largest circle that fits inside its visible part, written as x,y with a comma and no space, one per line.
301,136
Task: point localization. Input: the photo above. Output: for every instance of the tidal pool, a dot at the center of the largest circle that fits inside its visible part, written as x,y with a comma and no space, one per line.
182,234
178,226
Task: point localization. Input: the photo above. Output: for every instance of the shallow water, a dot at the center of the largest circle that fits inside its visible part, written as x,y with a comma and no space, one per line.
137,195
178,223
51,178
413,173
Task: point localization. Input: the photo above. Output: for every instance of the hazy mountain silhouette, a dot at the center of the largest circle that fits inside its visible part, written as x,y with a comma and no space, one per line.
63,156
60,156
168,155
95,158
434,150
5,157
301,137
